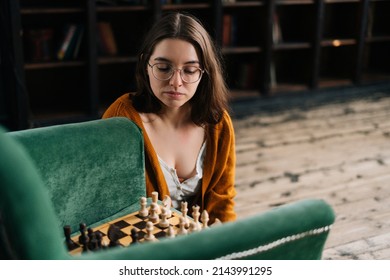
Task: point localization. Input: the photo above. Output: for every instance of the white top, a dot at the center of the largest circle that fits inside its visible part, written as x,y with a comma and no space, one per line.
188,188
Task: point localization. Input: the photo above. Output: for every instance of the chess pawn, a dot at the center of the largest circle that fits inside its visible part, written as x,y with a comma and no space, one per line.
216,222
99,238
205,219
134,236
170,232
83,238
194,227
164,223
149,232
143,211
153,216
182,229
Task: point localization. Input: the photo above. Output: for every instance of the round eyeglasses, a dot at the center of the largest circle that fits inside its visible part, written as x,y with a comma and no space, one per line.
165,71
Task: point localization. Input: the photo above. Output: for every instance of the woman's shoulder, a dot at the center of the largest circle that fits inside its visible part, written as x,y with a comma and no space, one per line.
225,125
122,106
226,120
126,99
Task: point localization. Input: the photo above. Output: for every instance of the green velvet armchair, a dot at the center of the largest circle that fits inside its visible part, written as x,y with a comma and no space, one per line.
94,172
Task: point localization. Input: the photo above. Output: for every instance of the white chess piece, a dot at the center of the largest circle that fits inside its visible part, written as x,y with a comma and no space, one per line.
184,211
164,223
155,200
182,229
143,211
171,232
153,215
195,215
167,203
149,232
205,219
216,222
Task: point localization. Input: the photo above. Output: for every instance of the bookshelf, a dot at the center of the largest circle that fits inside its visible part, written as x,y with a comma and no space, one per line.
269,48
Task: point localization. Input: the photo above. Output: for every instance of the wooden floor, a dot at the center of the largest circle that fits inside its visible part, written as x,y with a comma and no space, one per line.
332,146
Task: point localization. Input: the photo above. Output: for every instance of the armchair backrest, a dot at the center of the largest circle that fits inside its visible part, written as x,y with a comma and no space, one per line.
93,170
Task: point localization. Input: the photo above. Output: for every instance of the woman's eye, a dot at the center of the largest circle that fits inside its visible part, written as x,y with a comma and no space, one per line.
190,70
164,68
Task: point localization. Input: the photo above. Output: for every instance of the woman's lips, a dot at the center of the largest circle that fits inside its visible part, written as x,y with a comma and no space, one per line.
174,94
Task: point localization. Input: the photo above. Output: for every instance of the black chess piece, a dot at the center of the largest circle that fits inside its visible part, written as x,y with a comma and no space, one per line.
70,244
114,234
83,238
134,236
99,238
93,242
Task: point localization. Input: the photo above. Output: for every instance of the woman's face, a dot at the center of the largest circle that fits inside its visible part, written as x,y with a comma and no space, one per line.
171,61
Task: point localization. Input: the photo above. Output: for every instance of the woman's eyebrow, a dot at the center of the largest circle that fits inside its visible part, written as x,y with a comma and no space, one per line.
163,59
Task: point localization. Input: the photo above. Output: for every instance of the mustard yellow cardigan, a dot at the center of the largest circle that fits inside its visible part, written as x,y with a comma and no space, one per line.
217,192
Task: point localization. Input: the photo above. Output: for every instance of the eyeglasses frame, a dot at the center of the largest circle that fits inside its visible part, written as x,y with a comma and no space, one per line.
174,70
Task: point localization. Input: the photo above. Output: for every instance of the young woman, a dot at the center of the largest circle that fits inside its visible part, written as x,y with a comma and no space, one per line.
181,107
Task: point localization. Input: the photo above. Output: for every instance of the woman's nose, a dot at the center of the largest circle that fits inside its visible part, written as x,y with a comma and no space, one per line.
176,80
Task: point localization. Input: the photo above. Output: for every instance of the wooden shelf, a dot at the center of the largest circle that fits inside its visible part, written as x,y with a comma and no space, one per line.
53,65
268,48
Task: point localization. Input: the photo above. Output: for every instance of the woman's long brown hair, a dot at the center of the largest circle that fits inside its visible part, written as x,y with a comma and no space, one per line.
210,100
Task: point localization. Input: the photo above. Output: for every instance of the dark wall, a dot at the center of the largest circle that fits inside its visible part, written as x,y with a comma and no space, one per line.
13,98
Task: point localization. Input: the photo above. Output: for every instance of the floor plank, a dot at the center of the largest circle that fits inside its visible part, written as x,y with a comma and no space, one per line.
335,148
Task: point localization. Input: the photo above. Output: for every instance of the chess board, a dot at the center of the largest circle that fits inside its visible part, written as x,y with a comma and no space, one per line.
126,224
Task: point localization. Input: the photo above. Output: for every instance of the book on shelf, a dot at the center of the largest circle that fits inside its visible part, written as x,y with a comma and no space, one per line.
277,37
39,44
106,39
70,44
246,75
370,20
79,39
229,30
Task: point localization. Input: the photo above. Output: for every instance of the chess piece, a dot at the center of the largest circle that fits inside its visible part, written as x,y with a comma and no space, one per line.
149,232
83,238
183,226
90,234
195,214
143,211
99,238
205,219
184,211
113,235
153,214
155,200
134,236
70,244
171,232
164,223
93,242
216,222
167,204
